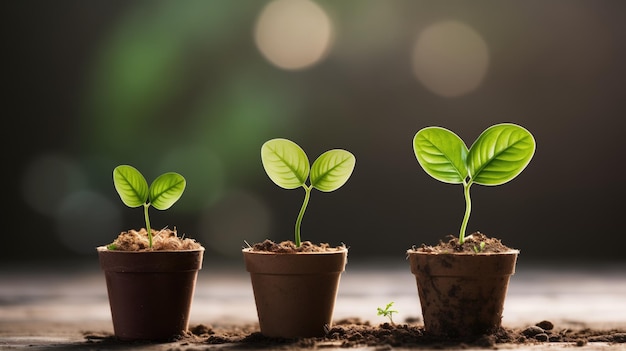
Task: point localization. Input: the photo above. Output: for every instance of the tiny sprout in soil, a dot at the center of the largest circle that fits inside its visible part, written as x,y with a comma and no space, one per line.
500,153
287,165
480,247
133,189
387,312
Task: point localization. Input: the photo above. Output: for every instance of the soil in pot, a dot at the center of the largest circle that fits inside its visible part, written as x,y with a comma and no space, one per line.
462,288
150,290
295,287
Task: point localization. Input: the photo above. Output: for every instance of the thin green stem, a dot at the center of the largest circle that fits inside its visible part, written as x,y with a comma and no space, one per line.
145,211
468,210
307,195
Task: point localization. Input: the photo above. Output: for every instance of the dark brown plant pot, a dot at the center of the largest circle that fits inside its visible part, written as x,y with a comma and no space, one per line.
462,295
150,292
295,292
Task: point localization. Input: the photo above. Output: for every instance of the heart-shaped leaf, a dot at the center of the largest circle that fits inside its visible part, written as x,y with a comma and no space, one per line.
332,169
442,154
130,185
166,190
499,154
285,163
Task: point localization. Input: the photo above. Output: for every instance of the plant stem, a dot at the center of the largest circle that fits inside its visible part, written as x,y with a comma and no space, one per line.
307,195
145,211
468,210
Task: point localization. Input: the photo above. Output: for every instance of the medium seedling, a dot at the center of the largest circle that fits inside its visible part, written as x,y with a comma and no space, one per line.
287,165
499,154
133,189
387,312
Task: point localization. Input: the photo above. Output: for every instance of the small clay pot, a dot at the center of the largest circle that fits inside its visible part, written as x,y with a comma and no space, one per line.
150,292
295,292
462,295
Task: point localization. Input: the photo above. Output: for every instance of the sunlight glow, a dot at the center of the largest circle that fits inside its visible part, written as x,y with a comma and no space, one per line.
450,58
293,34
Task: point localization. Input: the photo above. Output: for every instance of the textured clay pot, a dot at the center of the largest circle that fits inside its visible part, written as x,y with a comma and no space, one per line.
462,295
295,292
150,292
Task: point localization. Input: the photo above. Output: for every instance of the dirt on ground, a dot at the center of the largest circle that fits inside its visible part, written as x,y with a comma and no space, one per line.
354,333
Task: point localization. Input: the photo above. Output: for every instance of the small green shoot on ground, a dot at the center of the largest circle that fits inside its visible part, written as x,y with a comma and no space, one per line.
133,189
287,165
387,312
500,153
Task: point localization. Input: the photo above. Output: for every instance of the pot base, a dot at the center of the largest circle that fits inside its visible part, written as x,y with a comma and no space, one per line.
150,293
462,295
295,293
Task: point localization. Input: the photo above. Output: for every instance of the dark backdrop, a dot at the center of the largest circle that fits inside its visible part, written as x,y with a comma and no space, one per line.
182,86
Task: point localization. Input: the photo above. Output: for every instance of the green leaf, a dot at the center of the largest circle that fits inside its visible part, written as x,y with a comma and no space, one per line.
332,169
285,163
499,154
166,190
442,154
130,185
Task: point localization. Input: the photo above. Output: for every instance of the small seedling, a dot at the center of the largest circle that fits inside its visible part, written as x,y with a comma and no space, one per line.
387,312
133,189
499,154
287,165
480,247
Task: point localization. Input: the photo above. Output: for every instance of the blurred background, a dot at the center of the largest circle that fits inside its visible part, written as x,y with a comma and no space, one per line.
197,87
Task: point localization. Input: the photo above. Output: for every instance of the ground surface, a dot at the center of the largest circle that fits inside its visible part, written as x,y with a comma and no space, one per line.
66,308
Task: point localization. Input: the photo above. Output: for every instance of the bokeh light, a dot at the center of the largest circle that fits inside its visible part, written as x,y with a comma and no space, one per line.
203,171
450,58
85,220
48,179
293,34
238,218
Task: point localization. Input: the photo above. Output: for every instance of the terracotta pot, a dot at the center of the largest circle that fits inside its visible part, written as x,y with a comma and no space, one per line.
150,292
462,295
295,292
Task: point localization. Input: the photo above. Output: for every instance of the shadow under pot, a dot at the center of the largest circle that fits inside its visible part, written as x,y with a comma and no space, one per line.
295,293
150,292
462,295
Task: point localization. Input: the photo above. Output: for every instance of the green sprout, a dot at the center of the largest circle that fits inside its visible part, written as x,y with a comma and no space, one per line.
480,247
287,165
500,153
133,189
387,312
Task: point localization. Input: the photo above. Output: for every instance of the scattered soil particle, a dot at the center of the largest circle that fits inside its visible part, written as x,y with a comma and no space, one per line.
164,239
475,243
354,333
290,247
545,325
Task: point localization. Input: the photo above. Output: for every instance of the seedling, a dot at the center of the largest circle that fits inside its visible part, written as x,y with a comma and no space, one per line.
387,312
500,153
480,247
287,165
133,189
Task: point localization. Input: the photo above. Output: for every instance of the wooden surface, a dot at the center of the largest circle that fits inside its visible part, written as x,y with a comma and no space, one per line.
52,306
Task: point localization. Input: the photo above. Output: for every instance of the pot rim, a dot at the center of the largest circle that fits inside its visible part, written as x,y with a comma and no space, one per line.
503,253
105,249
331,251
